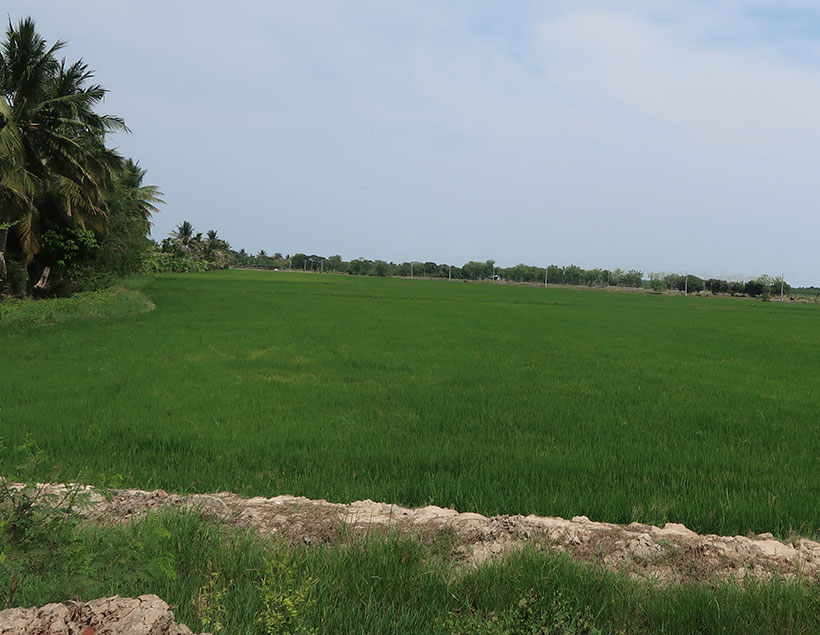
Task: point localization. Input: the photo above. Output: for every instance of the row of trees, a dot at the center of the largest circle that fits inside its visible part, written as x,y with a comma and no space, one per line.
186,250
487,270
73,212
762,286
473,270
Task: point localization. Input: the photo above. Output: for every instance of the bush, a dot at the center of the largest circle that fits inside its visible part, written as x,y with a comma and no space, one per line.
163,262
736,288
286,595
754,288
38,534
714,285
658,285
531,616
695,284
15,281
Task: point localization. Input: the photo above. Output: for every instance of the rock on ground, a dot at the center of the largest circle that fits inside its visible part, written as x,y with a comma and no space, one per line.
145,615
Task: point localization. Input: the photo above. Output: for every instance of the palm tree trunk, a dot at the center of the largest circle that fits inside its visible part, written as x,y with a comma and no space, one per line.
4,237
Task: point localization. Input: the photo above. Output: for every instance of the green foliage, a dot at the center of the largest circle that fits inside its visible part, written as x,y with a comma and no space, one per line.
210,601
528,617
693,284
56,166
286,595
632,278
103,304
72,204
185,251
713,285
68,247
658,284
158,261
16,277
37,529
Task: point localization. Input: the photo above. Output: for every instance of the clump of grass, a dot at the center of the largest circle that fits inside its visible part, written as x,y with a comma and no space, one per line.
102,304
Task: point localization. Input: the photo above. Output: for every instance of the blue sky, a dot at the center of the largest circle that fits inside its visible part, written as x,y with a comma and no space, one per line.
662,136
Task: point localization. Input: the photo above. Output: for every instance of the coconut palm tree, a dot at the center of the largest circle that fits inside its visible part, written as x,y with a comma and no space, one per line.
53,159
184,235
143,198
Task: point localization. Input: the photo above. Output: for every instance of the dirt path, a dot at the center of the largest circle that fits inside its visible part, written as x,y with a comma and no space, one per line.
661,554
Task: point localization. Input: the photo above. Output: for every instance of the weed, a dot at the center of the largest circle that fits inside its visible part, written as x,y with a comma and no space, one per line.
37,530
285,594
529,617
210,601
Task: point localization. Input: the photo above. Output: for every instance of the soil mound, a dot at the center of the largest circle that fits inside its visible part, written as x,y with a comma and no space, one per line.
662,554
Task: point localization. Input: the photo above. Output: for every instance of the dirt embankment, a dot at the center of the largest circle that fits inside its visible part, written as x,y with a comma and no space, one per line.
661,554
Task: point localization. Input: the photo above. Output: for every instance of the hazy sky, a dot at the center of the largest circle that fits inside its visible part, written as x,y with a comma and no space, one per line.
663,136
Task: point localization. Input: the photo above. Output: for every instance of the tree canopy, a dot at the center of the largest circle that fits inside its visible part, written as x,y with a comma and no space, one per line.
60,185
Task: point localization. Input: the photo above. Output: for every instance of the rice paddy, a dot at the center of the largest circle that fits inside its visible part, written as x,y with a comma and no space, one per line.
482,397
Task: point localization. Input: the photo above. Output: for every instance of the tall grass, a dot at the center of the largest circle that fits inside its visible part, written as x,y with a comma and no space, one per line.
212,574
488,398
102,304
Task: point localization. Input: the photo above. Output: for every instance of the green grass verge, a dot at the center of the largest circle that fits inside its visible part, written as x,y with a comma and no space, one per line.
220,577
490,398
89,305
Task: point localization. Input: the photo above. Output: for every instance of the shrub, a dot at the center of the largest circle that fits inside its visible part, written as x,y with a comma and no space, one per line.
658,285
714,285
15,281
754,288
736,288
37,531
285,594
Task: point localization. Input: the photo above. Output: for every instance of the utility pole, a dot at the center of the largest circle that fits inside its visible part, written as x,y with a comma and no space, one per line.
686,284
411,269
450,274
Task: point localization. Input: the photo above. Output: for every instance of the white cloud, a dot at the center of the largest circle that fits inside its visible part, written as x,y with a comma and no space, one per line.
735,99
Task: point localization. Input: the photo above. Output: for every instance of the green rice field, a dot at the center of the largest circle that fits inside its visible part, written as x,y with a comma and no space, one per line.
483,397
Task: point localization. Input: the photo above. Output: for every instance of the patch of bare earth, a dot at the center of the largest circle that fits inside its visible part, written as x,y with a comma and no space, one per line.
671,553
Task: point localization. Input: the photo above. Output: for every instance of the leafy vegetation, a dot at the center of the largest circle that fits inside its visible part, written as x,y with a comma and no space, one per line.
186,251
102,304
497,399
73,213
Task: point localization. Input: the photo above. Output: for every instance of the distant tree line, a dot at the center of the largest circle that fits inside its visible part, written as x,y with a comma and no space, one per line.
75,215
763,286
187,250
